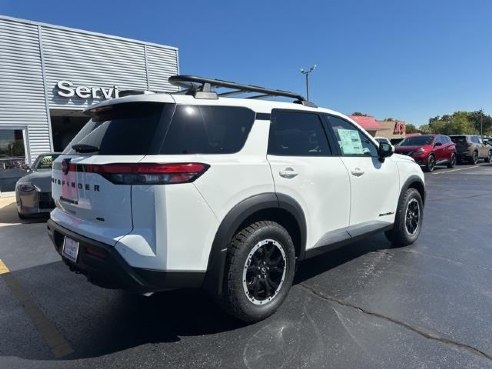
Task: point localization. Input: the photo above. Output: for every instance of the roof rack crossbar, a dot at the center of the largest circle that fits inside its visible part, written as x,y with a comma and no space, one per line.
196,84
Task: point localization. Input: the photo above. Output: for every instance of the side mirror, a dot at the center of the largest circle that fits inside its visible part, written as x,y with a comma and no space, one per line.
384,150
437,144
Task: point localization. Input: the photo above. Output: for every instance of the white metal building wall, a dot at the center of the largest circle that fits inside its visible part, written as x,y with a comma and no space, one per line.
34,57
22,99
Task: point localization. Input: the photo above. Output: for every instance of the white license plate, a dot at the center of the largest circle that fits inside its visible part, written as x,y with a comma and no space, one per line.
70,249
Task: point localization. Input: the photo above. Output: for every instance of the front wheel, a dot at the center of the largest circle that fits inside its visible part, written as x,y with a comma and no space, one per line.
431,163
408,219
474,158
452,161
259,271
488,159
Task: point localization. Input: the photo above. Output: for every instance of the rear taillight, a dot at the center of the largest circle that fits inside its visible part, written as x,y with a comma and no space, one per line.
145,173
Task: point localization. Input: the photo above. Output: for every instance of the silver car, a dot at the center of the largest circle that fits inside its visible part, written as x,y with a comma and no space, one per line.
33,191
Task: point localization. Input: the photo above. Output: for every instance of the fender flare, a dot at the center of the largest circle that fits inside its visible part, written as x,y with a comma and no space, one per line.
232,221
411,180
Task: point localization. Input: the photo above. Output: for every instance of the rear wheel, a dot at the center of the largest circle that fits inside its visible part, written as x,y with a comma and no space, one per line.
408,219
452,161
259,271
431,163
474,158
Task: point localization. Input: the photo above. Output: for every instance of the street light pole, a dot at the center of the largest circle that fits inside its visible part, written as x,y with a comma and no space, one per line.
306,74
481,127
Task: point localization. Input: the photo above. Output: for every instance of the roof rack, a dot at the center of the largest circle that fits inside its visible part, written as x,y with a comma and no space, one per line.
203,88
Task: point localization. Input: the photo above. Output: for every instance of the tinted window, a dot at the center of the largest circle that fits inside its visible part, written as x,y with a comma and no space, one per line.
351,141
208,130
122,129
295,133
44,162
458,139
417,141
475,139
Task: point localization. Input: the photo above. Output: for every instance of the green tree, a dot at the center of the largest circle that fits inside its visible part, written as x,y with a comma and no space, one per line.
410,128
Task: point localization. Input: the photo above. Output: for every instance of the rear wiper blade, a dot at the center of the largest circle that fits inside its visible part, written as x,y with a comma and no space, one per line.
83,148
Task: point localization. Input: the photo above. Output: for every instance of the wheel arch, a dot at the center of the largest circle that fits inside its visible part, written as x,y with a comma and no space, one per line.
414,182
280,208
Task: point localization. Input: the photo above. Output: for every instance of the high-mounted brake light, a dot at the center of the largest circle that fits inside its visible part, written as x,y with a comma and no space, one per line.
146,173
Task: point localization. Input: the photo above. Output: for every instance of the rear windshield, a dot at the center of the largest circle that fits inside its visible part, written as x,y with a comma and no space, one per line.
156,128
417,141
121,129
458,139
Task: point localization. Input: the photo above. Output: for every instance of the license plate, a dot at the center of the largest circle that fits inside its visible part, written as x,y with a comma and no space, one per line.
70,249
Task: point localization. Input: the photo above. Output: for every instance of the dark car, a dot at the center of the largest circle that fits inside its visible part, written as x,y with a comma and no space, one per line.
429,150
471,148
33,191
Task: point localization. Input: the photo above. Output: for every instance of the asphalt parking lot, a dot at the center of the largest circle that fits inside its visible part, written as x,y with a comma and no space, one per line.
367,305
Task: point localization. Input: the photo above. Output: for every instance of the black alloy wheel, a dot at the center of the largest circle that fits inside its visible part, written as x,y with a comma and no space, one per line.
260,267
264,272
452,161
488,159
431,163
474,158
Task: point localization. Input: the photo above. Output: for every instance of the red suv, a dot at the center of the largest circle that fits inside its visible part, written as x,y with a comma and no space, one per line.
429,150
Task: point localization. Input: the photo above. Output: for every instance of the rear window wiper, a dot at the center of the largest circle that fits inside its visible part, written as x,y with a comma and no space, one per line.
83,148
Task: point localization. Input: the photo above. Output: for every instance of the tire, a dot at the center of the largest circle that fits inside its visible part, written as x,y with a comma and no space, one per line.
408,219
474,158
431,163
452,161
22,217
488,159
260,268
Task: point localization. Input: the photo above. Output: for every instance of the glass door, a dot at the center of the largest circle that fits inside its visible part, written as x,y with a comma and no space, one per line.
12,157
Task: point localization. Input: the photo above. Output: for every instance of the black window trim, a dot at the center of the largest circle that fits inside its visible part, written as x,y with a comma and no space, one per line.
331,148
333,138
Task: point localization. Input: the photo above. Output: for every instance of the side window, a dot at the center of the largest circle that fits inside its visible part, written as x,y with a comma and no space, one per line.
352,141
207,130
295,133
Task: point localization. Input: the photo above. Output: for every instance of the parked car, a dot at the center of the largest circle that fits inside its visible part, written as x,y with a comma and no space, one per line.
429,150
471,148
33,191
163,191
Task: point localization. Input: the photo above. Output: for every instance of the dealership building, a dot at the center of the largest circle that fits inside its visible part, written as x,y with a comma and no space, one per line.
50,74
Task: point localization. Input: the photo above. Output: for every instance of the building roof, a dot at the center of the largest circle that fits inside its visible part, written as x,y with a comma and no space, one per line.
366,121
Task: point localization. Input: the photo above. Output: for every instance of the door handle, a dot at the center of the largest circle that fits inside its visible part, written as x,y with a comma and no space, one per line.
357,172
288,173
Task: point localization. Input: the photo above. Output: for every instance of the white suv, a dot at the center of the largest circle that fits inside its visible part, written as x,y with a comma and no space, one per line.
194,189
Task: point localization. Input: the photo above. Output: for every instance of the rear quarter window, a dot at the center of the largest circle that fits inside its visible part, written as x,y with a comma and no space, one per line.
207,130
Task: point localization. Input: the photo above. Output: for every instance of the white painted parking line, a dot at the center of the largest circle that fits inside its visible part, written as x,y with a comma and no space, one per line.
456,170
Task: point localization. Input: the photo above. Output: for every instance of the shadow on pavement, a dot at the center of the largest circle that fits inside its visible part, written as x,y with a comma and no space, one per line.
99,322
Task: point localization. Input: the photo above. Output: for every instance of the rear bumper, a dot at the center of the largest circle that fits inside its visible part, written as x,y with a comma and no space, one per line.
104,266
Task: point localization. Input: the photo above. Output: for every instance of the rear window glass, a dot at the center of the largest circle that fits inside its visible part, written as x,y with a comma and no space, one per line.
121,129
207,130
458,139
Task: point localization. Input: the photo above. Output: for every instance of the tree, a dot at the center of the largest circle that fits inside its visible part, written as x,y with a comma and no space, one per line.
410,128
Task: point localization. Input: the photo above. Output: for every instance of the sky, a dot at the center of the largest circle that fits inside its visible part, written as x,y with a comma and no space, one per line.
405,59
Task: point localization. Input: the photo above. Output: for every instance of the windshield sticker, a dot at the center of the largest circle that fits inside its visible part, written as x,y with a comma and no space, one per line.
350,142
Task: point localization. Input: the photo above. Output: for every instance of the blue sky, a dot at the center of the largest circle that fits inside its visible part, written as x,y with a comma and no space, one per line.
410,60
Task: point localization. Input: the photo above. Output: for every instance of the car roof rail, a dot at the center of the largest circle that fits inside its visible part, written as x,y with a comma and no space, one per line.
204,88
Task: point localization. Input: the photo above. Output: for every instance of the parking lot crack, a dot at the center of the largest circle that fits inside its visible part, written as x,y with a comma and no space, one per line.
418,330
